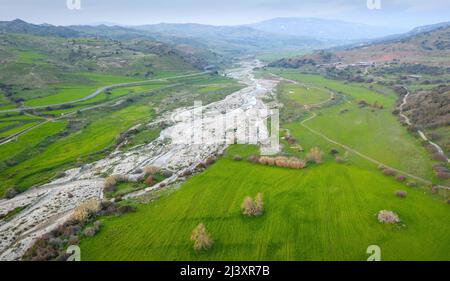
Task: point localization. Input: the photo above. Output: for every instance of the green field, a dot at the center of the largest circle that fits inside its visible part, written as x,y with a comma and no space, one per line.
326,212
70,92
373,132
303,95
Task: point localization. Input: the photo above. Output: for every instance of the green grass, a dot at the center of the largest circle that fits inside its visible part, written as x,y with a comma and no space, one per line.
95,138
303,95
325,212
374,132
69,92
30,140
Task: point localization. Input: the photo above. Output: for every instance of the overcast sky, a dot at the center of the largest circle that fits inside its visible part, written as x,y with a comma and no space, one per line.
401,13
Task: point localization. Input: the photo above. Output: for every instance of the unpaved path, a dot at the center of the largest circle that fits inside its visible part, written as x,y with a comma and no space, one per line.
370,159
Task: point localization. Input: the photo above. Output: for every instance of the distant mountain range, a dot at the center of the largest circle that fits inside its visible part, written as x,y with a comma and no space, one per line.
275,35
428,45
281,34
324,29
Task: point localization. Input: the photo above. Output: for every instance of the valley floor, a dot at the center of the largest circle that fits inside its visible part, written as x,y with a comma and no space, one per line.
324,212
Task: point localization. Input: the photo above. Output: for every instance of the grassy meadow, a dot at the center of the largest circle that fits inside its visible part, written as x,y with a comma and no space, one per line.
324,212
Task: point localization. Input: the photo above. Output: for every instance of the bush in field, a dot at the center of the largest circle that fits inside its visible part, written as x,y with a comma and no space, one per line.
400,178
150,181
82,212
253,208
264,160
281,161
389,172
201,239
295,163
314,155
151,170
253,159
388,217
237,157
248,206
401,193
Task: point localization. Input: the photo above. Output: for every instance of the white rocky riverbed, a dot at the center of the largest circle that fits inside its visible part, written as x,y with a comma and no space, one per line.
177,149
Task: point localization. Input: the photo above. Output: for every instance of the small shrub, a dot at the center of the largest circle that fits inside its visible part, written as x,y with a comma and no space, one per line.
201,239
82,212
295,163
247,206
401,193
150,181
264,160
237,157
388,217
314,155
110,184
388,172
253,159
400,178
252,208
259,205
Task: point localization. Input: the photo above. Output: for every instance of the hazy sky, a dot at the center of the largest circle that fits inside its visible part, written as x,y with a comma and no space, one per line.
402,13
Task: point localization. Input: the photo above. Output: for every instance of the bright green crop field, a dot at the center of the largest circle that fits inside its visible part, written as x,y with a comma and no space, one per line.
325,212
303,95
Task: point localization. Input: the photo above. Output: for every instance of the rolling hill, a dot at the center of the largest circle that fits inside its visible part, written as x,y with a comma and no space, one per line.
429,45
